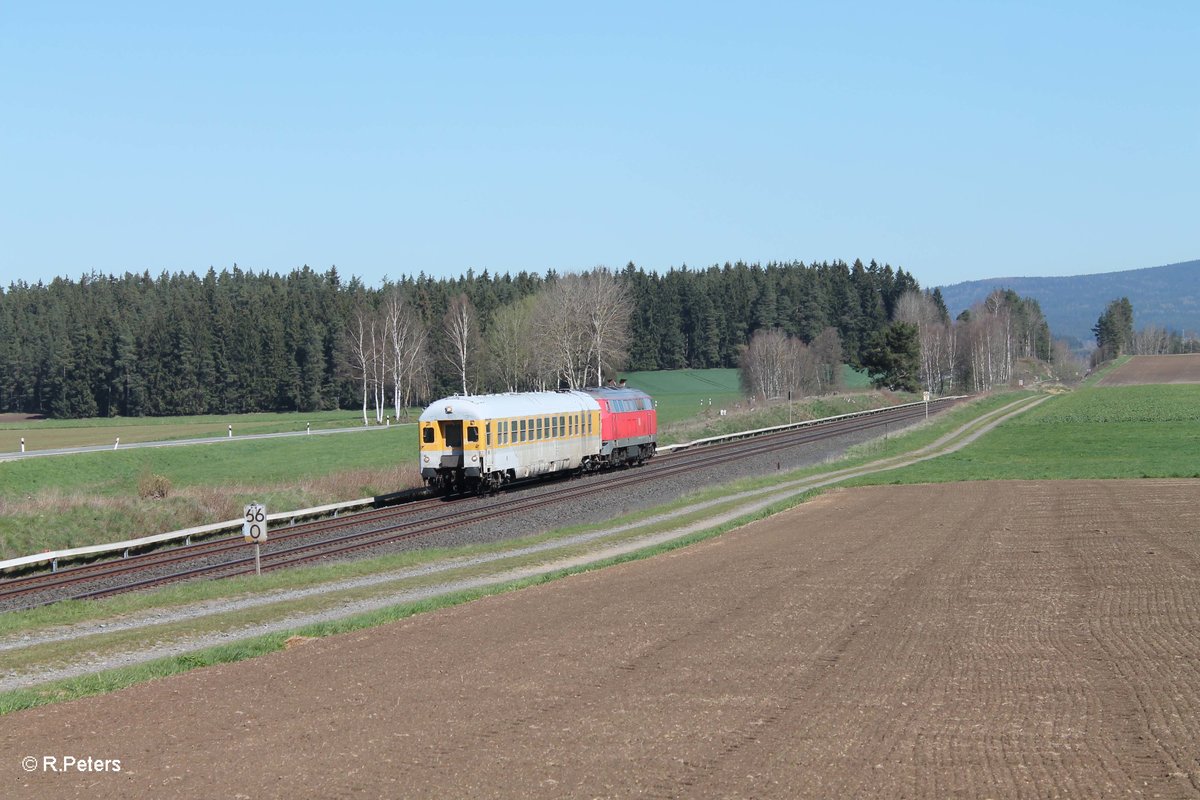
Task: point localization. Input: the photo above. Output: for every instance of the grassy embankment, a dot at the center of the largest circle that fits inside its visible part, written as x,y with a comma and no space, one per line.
69,501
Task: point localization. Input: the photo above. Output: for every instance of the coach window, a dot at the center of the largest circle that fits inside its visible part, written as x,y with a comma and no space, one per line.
487,434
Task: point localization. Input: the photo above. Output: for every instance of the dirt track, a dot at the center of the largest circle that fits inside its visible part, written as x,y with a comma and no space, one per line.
1155,369
888,642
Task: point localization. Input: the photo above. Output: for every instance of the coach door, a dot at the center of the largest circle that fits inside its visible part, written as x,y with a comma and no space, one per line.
452,435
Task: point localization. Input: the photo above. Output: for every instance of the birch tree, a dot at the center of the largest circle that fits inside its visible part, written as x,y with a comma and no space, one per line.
407,341
608,308
461,327
511,349
362,337
561,334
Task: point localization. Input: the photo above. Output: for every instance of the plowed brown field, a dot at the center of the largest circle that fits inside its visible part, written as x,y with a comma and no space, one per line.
1001,639
1155,369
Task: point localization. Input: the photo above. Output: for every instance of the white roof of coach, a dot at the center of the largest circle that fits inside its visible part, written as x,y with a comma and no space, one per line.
512,404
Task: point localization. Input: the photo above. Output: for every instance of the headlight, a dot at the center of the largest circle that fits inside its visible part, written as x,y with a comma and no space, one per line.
426,459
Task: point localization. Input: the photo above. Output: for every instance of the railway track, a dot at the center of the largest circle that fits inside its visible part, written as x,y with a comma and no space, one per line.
309,542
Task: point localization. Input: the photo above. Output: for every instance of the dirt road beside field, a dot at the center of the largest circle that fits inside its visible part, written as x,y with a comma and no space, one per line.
1001,639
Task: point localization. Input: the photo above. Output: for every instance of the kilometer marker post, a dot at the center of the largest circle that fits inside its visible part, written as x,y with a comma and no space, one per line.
254,529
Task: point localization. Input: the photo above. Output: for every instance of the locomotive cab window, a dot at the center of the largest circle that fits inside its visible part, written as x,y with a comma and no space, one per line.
472,433
427,434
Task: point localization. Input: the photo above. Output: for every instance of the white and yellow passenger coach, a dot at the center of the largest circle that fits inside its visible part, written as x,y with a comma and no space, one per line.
480,442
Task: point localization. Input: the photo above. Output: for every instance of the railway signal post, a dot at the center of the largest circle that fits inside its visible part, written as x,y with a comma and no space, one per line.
254,529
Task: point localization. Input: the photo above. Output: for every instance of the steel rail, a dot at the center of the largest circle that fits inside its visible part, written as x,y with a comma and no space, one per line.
275,558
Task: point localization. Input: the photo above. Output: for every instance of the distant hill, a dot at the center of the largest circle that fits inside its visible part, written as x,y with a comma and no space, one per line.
1167,296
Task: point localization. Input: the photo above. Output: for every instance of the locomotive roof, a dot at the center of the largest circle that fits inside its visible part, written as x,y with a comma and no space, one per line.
615,392
511,404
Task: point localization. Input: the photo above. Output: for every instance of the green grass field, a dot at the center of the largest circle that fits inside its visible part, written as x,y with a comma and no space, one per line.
1115,432
74,500
49,434
681,393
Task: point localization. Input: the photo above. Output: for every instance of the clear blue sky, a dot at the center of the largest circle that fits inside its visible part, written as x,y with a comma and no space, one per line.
957,140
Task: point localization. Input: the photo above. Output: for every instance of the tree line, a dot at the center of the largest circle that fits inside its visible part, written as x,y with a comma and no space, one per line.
240,341
977,351
920,348
1115,336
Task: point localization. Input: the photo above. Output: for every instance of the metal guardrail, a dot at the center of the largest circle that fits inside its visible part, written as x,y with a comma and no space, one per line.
52,557
808,423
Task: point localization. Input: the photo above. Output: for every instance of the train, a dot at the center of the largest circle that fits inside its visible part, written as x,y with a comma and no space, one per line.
479,443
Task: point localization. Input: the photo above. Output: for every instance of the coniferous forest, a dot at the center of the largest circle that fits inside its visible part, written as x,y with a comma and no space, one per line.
238,341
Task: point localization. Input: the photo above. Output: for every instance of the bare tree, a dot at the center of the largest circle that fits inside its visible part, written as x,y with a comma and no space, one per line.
769,365
582,327
1152,340
512,353
363,337
827,355
1066,366
562,336
406,339
919,309
461,327
608,308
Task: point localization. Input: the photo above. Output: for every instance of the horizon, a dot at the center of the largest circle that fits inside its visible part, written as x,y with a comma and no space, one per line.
958,144
345,277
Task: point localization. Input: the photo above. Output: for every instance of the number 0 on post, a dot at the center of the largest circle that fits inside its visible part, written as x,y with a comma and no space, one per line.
255,526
